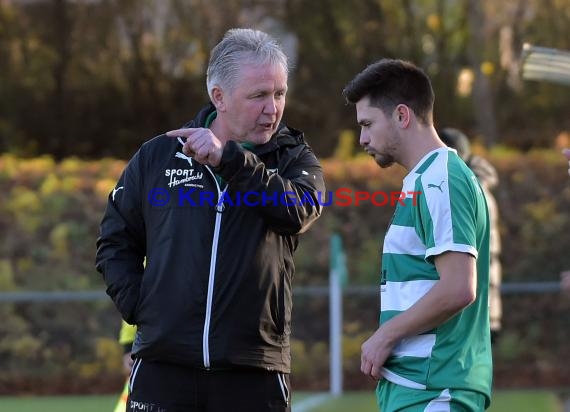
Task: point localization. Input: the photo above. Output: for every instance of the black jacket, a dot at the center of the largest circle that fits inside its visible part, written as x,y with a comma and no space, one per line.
215,291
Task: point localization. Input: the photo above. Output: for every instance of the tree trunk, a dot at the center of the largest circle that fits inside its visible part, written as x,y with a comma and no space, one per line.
62,33
482,94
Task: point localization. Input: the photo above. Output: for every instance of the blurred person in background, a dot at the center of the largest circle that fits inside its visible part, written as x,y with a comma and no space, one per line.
565,281
565,275
488,177
432,349
213,304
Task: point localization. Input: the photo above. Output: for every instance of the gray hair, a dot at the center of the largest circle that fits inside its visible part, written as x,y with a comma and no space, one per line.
238,47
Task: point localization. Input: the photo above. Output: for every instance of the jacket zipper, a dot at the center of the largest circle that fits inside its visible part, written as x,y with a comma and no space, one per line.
212,275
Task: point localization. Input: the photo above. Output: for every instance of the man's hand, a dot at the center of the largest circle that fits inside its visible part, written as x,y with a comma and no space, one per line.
201,144
375,351
127,363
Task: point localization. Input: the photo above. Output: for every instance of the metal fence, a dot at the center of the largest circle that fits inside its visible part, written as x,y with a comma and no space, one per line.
96,295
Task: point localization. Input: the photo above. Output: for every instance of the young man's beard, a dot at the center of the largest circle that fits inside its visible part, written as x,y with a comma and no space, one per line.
384,160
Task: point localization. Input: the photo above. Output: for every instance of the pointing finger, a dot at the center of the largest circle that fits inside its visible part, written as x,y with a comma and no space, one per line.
186,132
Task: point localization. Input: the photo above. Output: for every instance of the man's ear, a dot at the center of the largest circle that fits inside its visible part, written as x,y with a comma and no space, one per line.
403,115
218,98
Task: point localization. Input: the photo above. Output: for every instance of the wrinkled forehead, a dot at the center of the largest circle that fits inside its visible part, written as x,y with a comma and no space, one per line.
261,76
264,68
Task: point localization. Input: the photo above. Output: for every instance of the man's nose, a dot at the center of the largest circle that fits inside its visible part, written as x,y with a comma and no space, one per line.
270,106
364,139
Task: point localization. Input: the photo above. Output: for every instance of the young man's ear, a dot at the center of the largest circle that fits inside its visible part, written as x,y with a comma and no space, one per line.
402,115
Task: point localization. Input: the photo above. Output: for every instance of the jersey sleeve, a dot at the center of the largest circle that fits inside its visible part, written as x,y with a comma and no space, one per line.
446,213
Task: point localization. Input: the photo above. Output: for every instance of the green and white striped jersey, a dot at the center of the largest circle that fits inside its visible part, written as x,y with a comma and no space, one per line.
449,214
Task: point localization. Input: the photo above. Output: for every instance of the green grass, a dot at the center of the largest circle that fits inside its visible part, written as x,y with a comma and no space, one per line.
58,403
523,401
353,402
503,401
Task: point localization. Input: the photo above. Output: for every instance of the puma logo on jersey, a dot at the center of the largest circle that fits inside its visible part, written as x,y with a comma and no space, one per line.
180,155
115,191
438,186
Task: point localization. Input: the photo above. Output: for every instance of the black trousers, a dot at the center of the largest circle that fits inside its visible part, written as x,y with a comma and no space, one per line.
165,387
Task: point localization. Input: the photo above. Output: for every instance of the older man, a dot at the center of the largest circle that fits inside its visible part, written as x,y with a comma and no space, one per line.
215,209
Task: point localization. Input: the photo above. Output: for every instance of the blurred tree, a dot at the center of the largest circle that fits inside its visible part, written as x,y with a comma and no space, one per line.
483,101
336,40
96,78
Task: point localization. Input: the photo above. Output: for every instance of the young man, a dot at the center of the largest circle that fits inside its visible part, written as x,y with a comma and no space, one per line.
215,209
433,345
489,178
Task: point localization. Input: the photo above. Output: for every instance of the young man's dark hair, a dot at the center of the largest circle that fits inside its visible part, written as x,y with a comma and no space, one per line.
390,82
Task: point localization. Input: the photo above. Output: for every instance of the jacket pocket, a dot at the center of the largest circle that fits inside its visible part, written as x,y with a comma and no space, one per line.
126,301
277,303
281,305
284,303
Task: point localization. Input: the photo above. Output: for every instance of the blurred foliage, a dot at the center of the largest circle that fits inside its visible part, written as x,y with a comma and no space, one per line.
345,146
96,78
49,217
